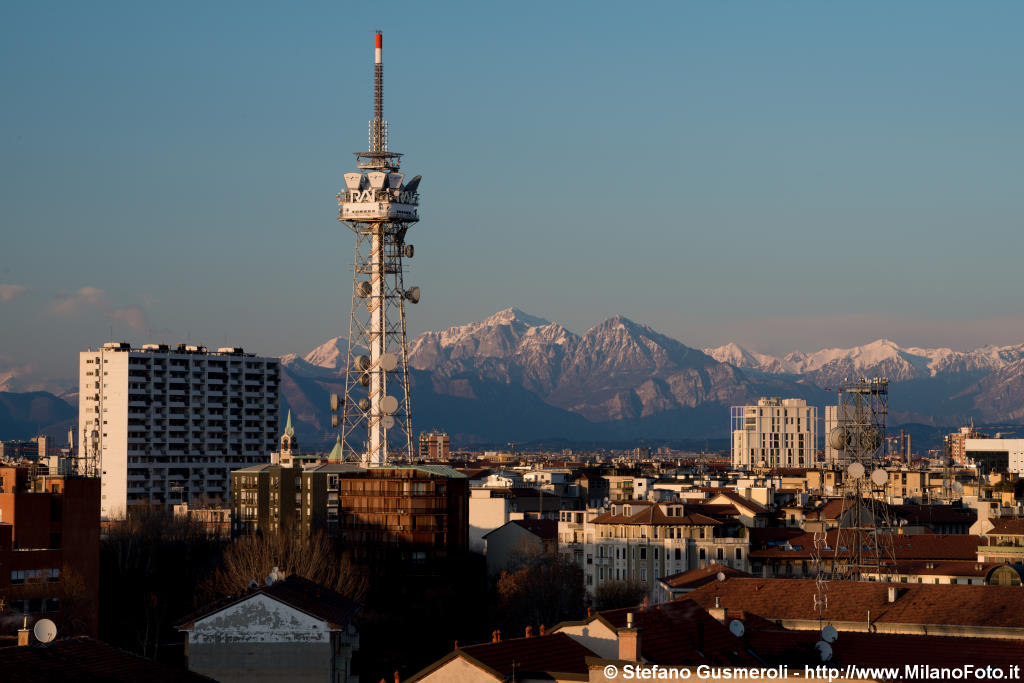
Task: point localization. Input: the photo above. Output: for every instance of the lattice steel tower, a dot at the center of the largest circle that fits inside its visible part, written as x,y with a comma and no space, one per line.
380,208
863,540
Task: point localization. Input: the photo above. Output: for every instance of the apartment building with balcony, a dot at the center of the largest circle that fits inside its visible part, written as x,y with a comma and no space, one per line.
645,541
774,433
164,426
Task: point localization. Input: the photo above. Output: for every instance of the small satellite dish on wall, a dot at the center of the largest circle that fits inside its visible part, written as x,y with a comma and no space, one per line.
45,630
824,650
829,634
736,628
721,576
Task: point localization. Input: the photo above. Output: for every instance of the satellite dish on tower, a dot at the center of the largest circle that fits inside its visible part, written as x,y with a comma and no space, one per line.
45,630
388,362
824,650
855,470
736,628
388,422
879,477
389,404
829,634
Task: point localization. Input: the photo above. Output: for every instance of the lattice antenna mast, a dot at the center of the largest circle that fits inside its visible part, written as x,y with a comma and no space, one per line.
863,539
380,208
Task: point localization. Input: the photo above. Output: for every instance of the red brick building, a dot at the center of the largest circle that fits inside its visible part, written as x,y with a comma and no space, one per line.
49,550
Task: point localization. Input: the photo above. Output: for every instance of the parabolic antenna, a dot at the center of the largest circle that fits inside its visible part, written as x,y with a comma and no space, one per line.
388,422
364,404
829,634
824,650
958,487
335,401
364,289
388,362
389,404
361,362
855,470
413,294
879,477
736,627
721,576
838,438
45,630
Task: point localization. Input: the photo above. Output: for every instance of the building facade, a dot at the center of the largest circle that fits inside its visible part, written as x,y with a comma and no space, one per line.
435,446
165,426
989,456
49,551
774,433
644,541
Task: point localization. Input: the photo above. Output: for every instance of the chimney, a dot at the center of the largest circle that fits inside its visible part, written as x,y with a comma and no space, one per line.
629,641
23,633
717,612
892,594
529,631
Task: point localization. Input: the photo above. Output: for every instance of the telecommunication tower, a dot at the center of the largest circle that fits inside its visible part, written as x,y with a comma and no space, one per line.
863,542
380,208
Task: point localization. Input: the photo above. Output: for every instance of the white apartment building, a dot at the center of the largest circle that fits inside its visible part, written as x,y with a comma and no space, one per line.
166,426
774,433
645,541
995,455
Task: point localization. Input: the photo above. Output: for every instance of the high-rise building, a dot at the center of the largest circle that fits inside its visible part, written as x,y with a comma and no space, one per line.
165,426
774,433
434,446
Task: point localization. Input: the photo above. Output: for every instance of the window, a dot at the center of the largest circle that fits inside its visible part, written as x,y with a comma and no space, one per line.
720,554
679,554
643,553
17,576
54,575
643,574
739,553
703,554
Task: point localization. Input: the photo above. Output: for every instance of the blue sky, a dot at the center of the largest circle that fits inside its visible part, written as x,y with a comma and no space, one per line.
780,174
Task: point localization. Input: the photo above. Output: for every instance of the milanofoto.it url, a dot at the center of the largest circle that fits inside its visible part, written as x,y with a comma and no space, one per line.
908,672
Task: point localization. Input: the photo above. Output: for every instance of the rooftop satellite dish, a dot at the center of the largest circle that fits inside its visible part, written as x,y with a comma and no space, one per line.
721,576
253,584
855,470
829,489
879,477
388,362
829,634
45,630
736,628
389,404
824,650
958,487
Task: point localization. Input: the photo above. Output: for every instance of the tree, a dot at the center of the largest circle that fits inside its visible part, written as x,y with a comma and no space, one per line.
253,558
541,589
620,593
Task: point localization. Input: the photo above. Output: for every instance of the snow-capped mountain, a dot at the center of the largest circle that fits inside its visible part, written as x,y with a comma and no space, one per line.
881,358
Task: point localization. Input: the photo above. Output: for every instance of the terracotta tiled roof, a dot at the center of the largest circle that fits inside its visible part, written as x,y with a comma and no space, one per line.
698,577
552,653
85,660
655,514
849,601
681,633
546,529
935,514
905,547
1008,526
300,593
745,502
764,537
946,568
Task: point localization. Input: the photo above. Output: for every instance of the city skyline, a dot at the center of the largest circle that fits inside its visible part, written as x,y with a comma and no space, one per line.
805,176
